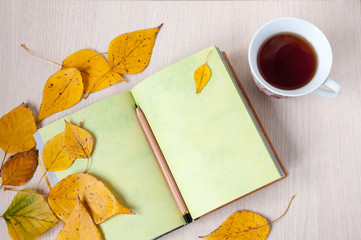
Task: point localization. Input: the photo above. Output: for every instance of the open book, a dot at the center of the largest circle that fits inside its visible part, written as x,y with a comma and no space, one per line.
213,143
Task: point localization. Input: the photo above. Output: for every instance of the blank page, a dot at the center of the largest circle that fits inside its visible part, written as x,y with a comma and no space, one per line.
209,140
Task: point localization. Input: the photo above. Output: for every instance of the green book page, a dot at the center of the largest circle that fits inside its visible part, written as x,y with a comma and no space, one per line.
209,140
123,160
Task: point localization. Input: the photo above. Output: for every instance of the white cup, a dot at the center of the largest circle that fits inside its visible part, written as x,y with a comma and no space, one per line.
318,41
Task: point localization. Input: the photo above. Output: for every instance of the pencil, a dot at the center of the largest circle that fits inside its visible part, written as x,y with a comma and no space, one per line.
163,164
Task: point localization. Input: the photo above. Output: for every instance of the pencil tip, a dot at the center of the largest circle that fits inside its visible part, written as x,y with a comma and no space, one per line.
136,106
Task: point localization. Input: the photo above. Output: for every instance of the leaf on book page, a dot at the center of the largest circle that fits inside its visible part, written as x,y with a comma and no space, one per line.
62,91
17,129
28,216
79,225
20,168
95,70
244,225
202,75
55,156
78,142
130,53
101,203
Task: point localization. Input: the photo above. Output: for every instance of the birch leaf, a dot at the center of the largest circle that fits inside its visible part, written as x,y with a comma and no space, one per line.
28,216
201,77
17,129
78,142
79,225
102,205
95,70
244,225
130,53
20,168
55,157
62,91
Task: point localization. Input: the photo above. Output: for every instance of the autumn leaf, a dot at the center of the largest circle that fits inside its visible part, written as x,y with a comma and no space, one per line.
62,90
95,70
130,53
28,216
101,203
79,225
78,142
244,225
202,75
17,129
20,168
55,157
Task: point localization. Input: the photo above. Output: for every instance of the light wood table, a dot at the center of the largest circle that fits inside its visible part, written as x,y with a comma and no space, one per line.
317,139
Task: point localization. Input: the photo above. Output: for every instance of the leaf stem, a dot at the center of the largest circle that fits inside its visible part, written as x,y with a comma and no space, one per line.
32,54
14,190
2,163
280,216
87,165
205,62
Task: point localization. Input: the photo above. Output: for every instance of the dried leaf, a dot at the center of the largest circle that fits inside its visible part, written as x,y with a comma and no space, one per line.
130,53
202,75
28,216
55,157
17,129
78,142
101,203
79,225
62,91
20,168
244,225
95,70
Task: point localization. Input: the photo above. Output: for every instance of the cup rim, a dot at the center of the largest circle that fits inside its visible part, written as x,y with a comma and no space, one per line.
299,91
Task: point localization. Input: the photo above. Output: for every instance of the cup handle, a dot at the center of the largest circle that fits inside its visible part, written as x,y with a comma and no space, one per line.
336,89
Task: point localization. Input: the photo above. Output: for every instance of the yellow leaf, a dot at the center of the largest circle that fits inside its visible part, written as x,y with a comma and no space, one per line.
17,129
62,90
244,225
101,203
201,77
95,70
78,142
55,156
79,226
28,216
130,53
20,168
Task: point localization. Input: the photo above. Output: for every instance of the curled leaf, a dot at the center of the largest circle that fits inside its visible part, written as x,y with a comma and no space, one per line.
244,225
130,53
95,70
78,142
20,168
62,91
79,225
102,205
17,129
28,216
55,157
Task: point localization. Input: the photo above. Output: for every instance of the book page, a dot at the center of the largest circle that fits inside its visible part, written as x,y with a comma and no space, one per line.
123,160
209,140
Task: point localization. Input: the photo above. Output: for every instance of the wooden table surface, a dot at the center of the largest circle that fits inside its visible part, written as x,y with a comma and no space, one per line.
317,139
